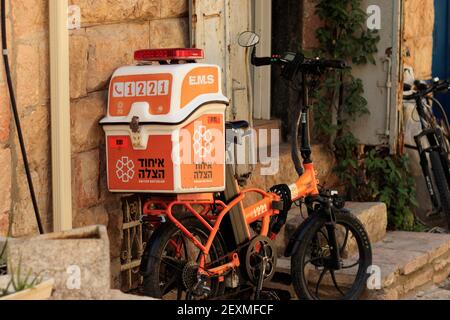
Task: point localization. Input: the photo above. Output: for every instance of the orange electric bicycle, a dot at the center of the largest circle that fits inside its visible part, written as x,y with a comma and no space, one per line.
213,246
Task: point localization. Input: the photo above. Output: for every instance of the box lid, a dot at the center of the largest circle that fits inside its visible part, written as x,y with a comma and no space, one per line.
162,94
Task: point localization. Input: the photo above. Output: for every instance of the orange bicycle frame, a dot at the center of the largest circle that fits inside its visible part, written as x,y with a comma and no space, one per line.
263,211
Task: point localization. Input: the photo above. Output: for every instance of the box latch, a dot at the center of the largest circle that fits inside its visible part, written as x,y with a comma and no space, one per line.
136,133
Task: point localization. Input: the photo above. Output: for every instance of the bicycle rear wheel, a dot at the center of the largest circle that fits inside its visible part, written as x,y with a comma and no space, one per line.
441,184
172,263
313,272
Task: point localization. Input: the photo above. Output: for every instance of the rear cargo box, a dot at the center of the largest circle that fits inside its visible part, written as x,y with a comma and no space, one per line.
165,129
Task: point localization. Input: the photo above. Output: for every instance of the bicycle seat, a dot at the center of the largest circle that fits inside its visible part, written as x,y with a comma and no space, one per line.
237,125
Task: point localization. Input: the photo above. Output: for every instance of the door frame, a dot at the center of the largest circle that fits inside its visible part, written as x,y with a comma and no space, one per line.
262,84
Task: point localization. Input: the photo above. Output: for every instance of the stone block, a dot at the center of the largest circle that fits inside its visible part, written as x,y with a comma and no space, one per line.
90,217
85,115
5,113
111,47
27,70
115,11
5,182
418,280
441,276
29,17
36,131
86,171
78,260
374,218
174,8
79,46
22,208
4,225
169,33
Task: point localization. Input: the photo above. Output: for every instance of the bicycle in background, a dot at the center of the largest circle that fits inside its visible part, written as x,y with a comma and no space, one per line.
433,143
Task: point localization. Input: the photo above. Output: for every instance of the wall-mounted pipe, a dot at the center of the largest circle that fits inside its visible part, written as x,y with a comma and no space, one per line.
60,115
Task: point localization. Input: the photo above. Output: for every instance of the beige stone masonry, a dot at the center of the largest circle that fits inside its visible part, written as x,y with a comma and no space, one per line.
169,33
79,47
111,47
96,12
86,179
85,116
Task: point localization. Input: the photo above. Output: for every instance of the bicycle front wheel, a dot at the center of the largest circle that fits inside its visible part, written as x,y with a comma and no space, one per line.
314,273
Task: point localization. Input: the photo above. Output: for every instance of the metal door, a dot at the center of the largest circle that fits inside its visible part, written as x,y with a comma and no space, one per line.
382,81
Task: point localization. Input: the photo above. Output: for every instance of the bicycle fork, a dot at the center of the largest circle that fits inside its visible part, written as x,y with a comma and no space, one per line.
335,263
435,138
335,254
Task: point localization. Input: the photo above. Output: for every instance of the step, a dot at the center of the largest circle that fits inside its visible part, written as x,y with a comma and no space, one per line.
372,215
440,292
272,127
409,263
323,160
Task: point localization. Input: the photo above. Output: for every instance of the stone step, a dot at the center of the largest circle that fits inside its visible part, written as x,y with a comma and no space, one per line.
372,215
409,263
286,173
436,292
271,127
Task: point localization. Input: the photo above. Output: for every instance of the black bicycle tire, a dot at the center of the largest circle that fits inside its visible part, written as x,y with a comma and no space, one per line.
156,246
441,184
297,267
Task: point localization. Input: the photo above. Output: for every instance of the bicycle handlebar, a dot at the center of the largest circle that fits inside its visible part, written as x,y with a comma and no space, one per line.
436,87
296,62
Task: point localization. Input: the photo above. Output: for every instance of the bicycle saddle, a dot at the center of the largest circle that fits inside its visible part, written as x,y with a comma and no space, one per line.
237,125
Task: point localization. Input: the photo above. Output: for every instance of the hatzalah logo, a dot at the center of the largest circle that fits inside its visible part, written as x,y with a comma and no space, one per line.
125,170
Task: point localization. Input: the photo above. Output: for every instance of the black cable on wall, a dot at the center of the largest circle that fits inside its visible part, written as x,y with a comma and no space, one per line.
17,118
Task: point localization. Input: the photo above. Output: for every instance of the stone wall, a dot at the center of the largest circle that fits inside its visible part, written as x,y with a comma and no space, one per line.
418,36
28,35
110,32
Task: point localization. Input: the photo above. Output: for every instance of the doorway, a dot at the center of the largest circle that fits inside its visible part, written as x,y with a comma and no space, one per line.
441,49
287,22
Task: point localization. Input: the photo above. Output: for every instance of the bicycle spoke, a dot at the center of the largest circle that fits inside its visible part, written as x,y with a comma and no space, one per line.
172,262
180,291
333,277
347,233
353,265
322,275
170,285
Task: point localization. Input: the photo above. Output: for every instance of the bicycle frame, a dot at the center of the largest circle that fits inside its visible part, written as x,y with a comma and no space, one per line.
263,210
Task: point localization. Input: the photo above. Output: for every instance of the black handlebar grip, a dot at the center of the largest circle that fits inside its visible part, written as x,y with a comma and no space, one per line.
334,64
259,62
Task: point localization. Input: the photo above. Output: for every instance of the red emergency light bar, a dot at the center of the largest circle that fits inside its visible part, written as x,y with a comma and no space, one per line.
168,54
